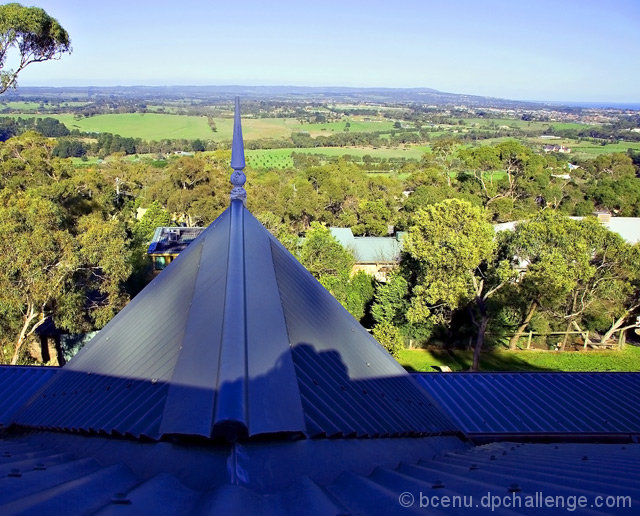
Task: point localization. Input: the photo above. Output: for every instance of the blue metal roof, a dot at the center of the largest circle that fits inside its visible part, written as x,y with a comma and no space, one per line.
547,403
17,385
38,475
369,249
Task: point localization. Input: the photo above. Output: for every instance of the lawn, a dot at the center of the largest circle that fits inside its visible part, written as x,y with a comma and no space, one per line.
422,360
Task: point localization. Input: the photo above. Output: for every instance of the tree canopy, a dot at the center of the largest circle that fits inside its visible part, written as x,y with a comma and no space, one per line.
34,34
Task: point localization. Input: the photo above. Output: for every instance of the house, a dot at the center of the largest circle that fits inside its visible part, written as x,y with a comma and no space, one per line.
556,148
234,383
169,242
376,256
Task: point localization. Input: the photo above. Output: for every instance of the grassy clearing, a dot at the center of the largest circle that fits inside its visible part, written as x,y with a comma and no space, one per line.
22,105
281,158
523,125
94,160
160,126
254,128
36,106
148,126
422,360
356,126
591,149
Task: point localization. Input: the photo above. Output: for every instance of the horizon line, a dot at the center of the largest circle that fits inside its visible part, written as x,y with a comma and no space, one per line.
320,87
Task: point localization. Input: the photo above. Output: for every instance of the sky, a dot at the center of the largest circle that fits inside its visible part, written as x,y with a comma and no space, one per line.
548,50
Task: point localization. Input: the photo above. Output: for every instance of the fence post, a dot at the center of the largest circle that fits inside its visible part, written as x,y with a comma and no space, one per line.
529,340
621,339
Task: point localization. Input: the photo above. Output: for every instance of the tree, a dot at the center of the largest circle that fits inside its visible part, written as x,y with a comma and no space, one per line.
452,249
514,157
572,270
323,255
331,264
482,161
54,267
34,34
197,145
443,149
354,293
389,336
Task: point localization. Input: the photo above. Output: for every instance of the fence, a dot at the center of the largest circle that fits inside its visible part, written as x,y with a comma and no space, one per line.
585,338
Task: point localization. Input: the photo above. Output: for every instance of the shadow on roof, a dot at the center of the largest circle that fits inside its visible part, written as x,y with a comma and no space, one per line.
333,402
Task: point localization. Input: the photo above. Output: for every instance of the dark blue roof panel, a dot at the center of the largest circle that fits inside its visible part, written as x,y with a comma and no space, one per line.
390,476
539,403
17,385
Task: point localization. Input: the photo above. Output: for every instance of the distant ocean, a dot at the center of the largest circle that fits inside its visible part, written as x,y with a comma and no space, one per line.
601,105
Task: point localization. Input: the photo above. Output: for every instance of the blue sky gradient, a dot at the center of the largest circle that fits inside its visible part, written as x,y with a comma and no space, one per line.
560,50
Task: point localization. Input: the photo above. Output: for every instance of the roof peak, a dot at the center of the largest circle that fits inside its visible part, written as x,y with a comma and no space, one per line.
235,339
238,177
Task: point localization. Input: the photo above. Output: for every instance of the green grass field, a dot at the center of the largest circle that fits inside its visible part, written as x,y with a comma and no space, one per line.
254,128
422,360
148,126
281,158
36,106
523,125
356,126
28,106
160,126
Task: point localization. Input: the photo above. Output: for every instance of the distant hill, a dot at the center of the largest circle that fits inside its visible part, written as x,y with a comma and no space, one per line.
223,93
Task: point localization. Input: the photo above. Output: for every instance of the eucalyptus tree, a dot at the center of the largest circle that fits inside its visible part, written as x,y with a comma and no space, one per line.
33,34
452,250
574,270
57,266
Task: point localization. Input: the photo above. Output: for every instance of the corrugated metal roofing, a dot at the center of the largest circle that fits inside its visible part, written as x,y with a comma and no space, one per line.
35,478
235,338
17,385
539,402
369,249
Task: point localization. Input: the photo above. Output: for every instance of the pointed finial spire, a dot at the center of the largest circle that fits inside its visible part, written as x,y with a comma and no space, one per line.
237,158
